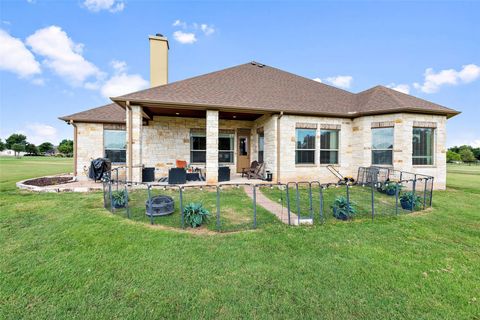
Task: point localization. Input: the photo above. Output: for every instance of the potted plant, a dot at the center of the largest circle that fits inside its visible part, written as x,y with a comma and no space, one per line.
119,199
342,209
195,214
409,200
390,188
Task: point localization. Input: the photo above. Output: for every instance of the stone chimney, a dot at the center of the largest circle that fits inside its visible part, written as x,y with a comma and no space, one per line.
158,60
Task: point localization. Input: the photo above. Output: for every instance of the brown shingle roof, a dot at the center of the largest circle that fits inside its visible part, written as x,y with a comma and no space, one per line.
110,113
257,87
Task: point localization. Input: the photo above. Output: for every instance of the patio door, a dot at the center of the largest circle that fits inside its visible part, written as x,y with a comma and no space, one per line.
243,149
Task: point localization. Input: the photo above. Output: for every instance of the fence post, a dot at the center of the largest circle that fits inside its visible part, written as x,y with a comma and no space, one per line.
182,214
373,199
254,207
116,179
425,193
431,192
104,194
348,197
298,203
288,203
310,198
111,197
396,199
218,208
321,202
413,192
150,203
126,202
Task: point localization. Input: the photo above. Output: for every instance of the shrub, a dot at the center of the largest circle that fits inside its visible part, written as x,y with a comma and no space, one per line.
342,209
119,198
391,187
409,200
195,214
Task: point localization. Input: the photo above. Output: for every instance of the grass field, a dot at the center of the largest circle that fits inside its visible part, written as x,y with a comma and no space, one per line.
64,256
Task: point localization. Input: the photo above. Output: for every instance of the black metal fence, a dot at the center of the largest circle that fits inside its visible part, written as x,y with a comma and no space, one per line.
377,193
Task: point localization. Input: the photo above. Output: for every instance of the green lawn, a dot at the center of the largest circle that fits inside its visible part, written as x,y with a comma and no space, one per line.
64,256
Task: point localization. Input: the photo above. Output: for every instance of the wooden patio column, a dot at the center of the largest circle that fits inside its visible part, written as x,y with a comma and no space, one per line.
212,147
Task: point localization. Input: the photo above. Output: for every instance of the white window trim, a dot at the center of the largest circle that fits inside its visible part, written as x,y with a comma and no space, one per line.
115,149
198,135
372,149
232,145
434,149
314,150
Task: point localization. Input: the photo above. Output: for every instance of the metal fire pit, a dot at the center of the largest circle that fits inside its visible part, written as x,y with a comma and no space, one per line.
161,206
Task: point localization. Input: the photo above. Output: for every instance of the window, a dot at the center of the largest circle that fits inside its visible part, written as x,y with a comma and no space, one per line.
329,146
305,148
198,147
225,147
382,146
115,145
422,146
261,145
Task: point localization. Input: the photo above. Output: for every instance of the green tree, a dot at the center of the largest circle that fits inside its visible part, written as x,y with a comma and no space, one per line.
453,156
46,147
66,147
18,147
2,145
30,148
467,155
15,138
476,153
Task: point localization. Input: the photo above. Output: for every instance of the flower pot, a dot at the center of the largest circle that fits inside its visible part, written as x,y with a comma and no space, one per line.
340,215
407,205
117,205
390,192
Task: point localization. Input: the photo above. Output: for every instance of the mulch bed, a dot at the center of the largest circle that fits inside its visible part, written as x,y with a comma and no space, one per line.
48,181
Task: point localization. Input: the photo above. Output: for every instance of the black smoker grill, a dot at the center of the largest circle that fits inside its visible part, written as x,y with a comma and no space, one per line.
99,168
161,206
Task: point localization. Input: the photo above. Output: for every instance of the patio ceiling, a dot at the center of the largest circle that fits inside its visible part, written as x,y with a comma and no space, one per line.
197,113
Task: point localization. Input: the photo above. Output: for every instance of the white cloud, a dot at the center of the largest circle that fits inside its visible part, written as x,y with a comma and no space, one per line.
38,133
62,55
16,58
404,88
317,79
207,30
475,143
434,80
99,5
184,37
179,23
341,81
122,83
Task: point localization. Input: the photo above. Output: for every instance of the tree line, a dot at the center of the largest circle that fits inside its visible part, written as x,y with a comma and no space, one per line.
463,153
18,143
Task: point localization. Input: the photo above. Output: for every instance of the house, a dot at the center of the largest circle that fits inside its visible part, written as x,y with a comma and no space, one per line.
295,125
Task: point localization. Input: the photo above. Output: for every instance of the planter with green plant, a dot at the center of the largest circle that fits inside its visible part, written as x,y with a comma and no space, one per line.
390,188
119,199
343,209
409,200
195,214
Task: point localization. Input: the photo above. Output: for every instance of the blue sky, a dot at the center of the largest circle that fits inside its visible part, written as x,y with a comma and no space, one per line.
61,57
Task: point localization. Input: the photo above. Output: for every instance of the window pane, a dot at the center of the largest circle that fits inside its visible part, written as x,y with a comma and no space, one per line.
116,155
422,146
261,146
382,138
305,157
225,143
329,139
329,157
382,157
115,139
243,146
305,139
260,156
225,156
198,143
198,156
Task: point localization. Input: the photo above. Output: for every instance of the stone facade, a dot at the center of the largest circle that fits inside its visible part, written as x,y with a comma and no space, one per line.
163,140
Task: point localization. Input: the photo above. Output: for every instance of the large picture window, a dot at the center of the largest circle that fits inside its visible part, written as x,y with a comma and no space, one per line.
422,146
305,146
382,146
115,145
329,146
225,147
198,147
261,146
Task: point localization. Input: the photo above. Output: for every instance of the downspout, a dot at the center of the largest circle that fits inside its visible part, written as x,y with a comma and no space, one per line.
129,139
75,156
278,146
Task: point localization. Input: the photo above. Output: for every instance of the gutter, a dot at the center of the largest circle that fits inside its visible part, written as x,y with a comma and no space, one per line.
278,146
